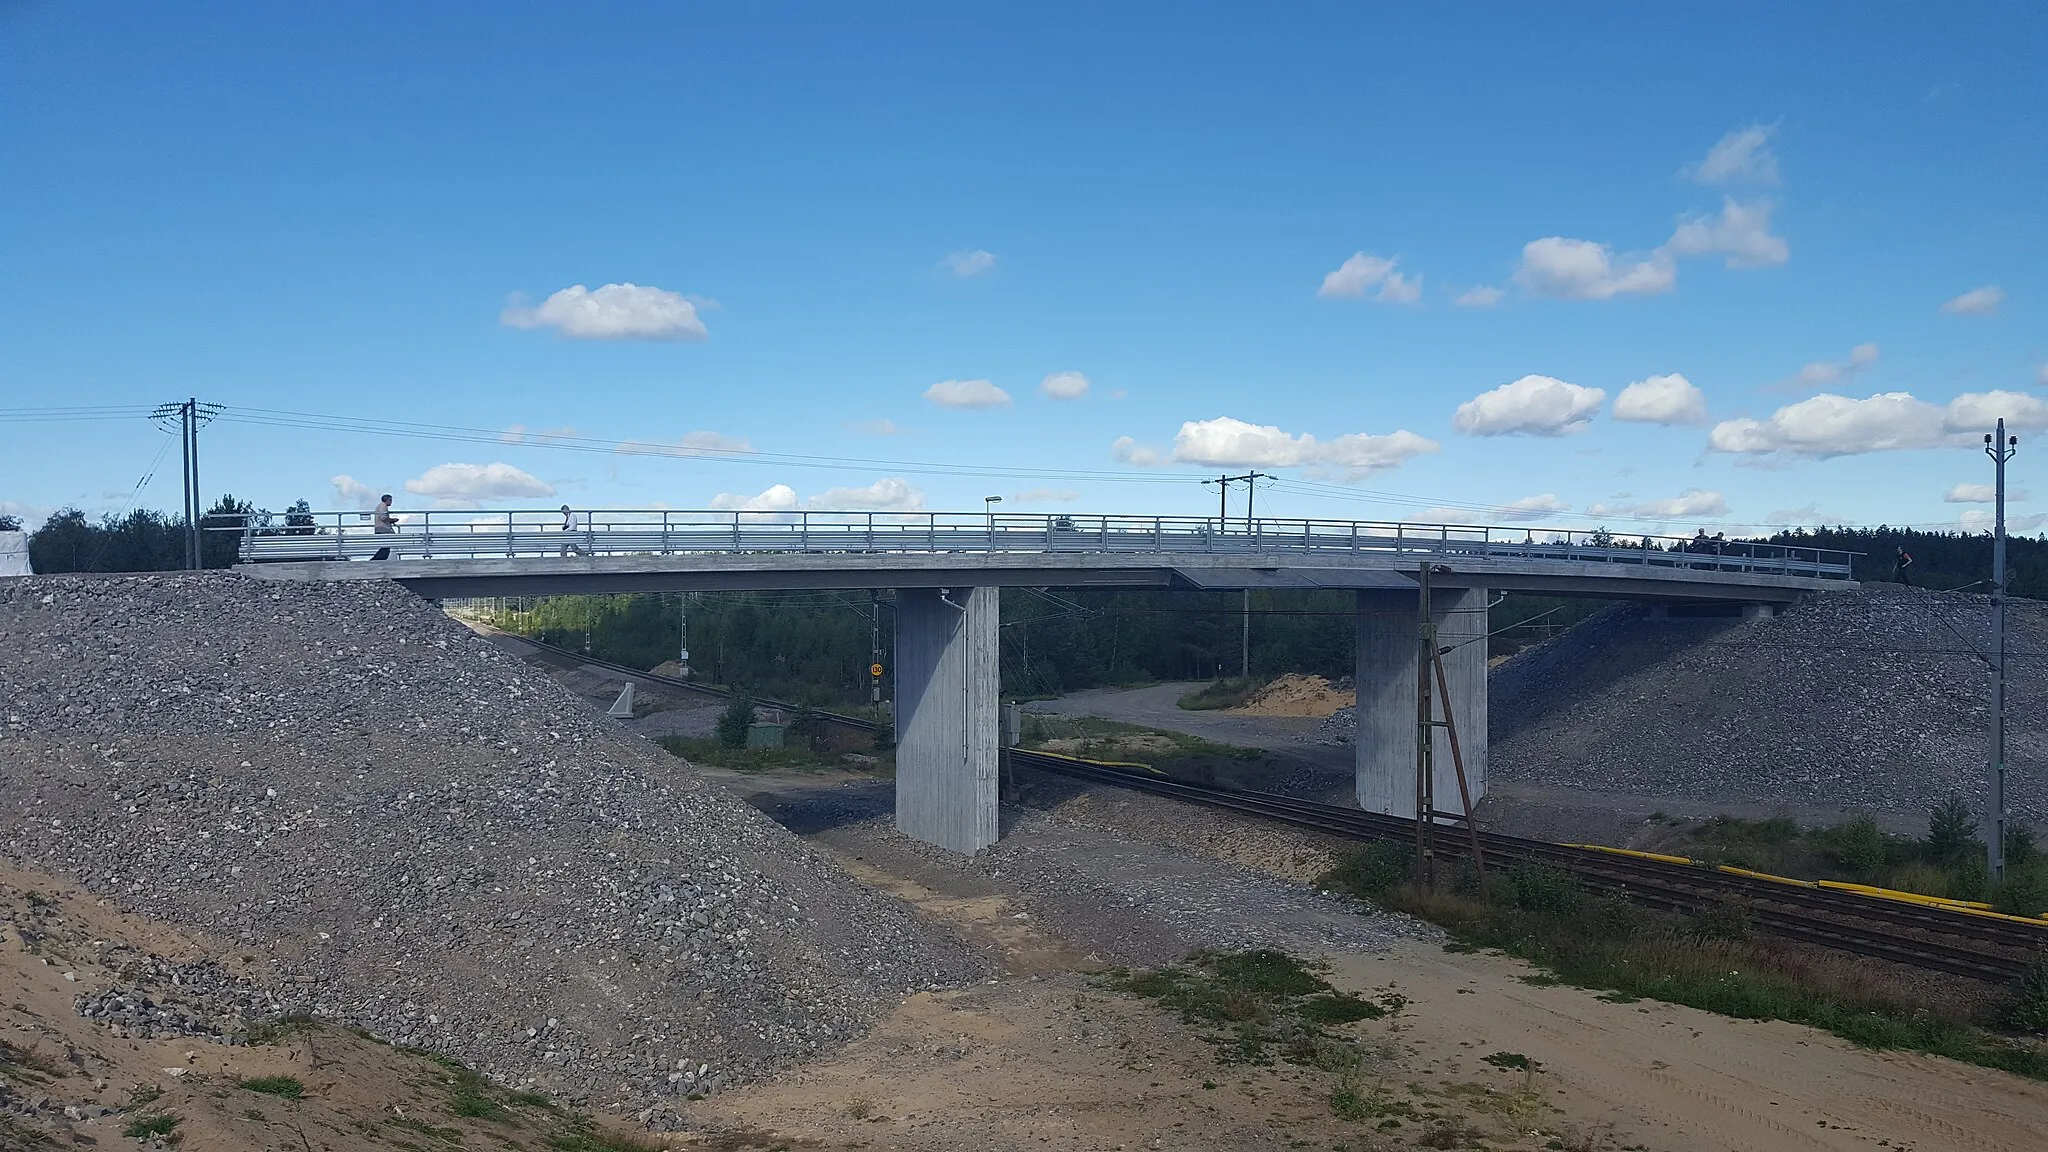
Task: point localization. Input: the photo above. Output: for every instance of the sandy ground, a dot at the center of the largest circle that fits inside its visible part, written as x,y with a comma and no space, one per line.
72,1082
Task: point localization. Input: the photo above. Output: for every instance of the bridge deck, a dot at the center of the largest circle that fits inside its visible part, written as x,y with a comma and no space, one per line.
527,553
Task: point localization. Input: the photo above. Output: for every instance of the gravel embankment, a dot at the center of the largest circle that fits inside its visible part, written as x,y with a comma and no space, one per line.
428,838
1866,698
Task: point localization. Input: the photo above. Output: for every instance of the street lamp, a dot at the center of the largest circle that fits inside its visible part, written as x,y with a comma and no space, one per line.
989,503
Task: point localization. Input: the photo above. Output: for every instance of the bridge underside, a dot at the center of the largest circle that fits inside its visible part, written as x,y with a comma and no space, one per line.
948,680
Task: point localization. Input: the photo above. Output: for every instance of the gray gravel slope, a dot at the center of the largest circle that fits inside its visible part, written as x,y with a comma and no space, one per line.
429,838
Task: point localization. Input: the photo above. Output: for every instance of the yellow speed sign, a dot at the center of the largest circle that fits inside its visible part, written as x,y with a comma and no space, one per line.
874,669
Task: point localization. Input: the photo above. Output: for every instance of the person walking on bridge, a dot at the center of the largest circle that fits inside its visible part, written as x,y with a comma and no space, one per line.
383,523
569,525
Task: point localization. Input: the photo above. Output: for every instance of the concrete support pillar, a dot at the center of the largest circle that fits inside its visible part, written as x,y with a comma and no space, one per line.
947,719
1386,673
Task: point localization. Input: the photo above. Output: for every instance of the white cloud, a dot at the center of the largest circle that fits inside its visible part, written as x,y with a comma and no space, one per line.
1830,425
1046,496
777,498
521,434
1693,503
613,312
1744,154
1226,442
1064,385
1364,270
968,262
1978,520
1668,399
1970,494
1521,511
1128,451
461,485
1976,302
877,427
352,493
1822,372
1533,405
690,444
976,394
1742,232
1484,296
1583,270
889,494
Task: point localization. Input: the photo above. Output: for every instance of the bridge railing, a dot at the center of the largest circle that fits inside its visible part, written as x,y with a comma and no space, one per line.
350,535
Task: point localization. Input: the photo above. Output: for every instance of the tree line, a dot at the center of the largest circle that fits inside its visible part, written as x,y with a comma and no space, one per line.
145,540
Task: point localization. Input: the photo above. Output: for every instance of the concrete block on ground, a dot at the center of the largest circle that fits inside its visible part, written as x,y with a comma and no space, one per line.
1386,674
623,706
947,716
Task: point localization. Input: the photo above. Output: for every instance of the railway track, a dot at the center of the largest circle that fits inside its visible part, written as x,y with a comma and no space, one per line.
1939,939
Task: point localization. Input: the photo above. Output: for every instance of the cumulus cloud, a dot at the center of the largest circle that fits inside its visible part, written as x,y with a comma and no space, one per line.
972,394
1825,372
1532,405
352,493
690,444
776,498
969,262
1046,496
1484,296
1829,425
1691,504
1744,154
521,434
1742,233
1128,451
1976,494
1584,270
1363,271
1976,302
1231,443
613,312
1064,385
1668,399
462,485
1521,511
890,494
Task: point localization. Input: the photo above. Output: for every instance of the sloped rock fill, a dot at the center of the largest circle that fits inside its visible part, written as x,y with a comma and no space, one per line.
429,839
1868,698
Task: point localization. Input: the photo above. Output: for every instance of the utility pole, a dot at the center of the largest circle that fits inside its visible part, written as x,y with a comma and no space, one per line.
2000,448
875,648
683,635
190,414
1425,737
1250,481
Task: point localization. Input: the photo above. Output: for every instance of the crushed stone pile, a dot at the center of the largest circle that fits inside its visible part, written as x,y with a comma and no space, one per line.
429,839
1296,695
1864,698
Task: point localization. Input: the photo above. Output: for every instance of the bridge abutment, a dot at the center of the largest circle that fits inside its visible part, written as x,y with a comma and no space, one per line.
947,716
1386,674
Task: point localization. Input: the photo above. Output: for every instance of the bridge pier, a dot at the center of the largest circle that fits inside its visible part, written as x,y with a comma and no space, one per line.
1386,673
947,716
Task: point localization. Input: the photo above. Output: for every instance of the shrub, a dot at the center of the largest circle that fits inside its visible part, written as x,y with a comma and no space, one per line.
1952,833
2024,891
1858,846
735,720
2028,1011
288,1087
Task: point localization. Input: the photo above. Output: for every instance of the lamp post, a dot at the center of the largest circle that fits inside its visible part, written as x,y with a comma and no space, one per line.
989,503
2000,448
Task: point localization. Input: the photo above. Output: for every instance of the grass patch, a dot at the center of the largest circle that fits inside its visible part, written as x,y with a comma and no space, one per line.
28,1065
1095,739
157,1124
1949,861
718,755
1259,1006
279,1029
583,1135
1225,693
285,1087
1600,941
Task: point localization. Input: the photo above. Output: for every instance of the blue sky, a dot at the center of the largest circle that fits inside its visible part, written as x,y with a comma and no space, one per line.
833,230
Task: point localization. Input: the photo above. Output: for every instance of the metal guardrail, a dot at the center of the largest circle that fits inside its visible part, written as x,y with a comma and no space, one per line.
615,532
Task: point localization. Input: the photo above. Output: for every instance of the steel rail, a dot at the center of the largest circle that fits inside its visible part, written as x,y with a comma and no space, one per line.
1670,887
1653,883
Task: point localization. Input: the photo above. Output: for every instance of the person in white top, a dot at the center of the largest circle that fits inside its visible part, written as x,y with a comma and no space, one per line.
569,525
383,523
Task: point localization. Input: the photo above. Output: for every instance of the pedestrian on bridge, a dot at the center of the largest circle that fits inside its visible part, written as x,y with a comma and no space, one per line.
569,525
383,523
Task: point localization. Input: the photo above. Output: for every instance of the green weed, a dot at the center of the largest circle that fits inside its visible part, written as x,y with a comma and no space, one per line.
287,1087
157,1124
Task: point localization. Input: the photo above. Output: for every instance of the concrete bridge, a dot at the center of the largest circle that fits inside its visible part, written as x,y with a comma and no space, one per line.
946,570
